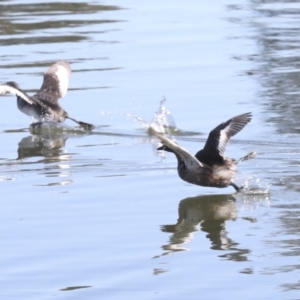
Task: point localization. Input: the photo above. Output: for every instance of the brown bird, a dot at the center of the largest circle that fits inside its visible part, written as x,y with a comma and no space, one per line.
209,167
44,106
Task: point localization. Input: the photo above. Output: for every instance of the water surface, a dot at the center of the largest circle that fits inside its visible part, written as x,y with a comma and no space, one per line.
102,214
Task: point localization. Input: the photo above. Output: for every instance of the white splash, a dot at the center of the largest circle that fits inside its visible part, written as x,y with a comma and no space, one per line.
162,121
254,186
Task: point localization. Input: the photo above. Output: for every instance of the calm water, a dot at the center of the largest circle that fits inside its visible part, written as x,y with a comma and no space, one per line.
102,215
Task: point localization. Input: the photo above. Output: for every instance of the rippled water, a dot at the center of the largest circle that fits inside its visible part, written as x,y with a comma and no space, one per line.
102,214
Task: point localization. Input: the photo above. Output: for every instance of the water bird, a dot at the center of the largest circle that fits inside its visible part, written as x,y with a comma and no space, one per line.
209,167
44,106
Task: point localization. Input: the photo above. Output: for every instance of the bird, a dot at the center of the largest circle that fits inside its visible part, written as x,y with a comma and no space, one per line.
209,167
43,106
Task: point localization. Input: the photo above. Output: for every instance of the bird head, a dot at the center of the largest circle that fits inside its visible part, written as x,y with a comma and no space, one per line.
13,84
165,148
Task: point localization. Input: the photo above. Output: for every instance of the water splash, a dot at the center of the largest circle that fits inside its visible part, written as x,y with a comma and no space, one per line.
162,121
254,186
251,202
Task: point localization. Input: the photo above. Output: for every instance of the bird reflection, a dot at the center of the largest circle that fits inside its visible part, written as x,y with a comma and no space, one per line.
206,213
48,145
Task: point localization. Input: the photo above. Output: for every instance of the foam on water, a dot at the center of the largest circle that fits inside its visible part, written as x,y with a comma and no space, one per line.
252,185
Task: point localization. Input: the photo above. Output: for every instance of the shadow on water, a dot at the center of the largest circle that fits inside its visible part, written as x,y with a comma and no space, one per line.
207,214
13,21
72,288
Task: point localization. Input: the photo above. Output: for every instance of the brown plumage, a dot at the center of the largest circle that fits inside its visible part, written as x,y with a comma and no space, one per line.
44,106
209,167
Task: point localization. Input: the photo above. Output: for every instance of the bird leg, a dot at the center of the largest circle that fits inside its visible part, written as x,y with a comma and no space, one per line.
36,125
85,126
238,189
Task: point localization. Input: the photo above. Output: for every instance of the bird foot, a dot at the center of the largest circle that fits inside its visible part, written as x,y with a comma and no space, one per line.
250,155
36,125
86,126
238,189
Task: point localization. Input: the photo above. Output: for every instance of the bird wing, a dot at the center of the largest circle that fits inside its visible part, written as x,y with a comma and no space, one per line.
189,160
12,89
220,136
56,82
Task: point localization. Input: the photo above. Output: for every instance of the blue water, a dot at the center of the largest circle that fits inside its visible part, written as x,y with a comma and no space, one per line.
102,214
